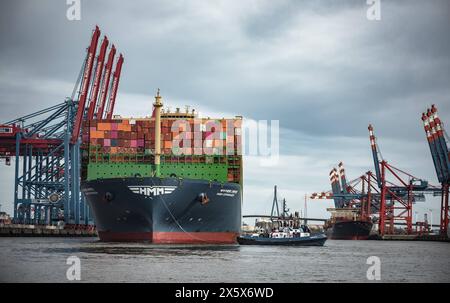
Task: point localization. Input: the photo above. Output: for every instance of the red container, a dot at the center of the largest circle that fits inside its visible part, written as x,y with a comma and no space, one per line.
208,135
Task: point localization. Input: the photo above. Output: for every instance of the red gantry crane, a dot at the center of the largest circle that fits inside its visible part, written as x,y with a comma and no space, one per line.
440,153
85,85
97,79
391,192
105,83
47,183
399,191
360,193
114,87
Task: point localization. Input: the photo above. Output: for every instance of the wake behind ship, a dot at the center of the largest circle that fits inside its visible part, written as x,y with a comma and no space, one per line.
166,179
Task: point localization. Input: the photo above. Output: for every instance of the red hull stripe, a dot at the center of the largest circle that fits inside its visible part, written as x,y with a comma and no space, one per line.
170,237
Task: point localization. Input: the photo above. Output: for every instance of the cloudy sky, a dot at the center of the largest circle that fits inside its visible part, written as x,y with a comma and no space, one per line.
319,67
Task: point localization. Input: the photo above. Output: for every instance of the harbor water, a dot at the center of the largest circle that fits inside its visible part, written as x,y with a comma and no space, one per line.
45,260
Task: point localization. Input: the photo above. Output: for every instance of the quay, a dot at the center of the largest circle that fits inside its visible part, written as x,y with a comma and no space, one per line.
22,230
396,237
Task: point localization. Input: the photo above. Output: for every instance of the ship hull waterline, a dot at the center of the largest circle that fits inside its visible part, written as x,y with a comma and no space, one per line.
165,210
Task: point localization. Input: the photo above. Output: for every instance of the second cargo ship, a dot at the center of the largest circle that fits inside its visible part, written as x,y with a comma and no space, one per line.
347,224
172,179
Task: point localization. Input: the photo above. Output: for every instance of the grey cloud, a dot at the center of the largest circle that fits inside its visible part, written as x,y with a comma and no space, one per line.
320,67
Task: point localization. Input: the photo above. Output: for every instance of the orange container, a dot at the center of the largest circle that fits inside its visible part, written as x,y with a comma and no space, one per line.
103,126
167,144
97,134
124,126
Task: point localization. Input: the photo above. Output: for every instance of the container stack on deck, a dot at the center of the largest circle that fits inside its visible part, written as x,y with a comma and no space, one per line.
190,147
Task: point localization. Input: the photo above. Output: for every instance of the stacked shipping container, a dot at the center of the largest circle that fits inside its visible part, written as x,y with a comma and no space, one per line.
209,146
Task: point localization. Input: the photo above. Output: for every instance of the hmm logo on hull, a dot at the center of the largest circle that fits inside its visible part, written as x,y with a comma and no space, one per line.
152,191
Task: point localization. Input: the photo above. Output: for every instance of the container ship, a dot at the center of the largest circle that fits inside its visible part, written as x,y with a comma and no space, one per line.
168,178
347,224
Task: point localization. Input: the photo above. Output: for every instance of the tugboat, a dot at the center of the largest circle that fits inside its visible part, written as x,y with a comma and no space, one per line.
283,229
287,236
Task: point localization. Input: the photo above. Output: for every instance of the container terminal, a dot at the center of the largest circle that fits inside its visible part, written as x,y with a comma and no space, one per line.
81,139
385,199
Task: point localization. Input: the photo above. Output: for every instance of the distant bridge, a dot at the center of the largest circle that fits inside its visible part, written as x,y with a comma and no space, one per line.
281,218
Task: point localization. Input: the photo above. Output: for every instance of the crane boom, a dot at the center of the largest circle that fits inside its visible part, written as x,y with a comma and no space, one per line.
105,83
114,87
438,134
85,85
376,161
97,78
433,149
336,188
343,177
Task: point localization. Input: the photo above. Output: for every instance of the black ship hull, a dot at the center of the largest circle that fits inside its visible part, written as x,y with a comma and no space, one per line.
165,210
350,230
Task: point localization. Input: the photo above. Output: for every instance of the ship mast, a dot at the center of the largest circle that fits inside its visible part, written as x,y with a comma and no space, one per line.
157,105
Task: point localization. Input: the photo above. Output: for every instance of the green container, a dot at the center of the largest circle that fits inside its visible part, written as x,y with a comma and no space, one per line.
118,170
203,171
